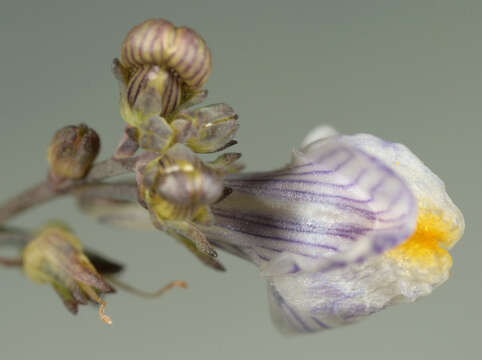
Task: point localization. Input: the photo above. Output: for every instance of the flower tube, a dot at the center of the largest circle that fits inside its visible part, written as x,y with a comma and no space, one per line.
353,224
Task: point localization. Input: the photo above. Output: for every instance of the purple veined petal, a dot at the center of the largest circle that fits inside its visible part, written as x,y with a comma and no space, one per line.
332,206
427,188
317,301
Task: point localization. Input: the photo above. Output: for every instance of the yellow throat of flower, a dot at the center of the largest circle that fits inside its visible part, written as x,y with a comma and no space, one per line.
425,251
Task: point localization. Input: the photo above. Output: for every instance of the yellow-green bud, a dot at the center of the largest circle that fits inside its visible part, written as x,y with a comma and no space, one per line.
72,151
179,186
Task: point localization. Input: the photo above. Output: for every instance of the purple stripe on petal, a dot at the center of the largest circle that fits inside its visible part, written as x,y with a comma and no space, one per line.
192,58
168,93
141,50
201,63
264,258
286,224
320,323
132,88
280,301
302,181
142,82
156,38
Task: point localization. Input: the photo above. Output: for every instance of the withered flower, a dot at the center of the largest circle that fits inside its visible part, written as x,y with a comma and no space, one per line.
55,257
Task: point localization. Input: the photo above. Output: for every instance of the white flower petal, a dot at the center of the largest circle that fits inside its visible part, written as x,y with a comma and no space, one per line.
318,133
312,302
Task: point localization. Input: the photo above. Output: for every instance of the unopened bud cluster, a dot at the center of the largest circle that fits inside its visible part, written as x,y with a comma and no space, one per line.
161,71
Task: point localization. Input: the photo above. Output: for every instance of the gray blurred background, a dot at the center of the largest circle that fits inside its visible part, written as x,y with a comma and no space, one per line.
407,71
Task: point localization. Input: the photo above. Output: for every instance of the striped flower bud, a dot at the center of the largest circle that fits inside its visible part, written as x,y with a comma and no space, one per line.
72,152
160,67
55,257
178,49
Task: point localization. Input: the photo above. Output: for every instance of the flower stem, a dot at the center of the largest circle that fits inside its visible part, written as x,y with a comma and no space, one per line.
122,191
146,294
43,192
37,194
10,262
13,237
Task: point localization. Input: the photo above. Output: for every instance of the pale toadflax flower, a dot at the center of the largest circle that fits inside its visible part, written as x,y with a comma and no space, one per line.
353,224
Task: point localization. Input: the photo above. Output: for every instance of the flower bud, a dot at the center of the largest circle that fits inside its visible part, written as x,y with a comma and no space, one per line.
179,186
179,49
55,257
160,68
72,152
